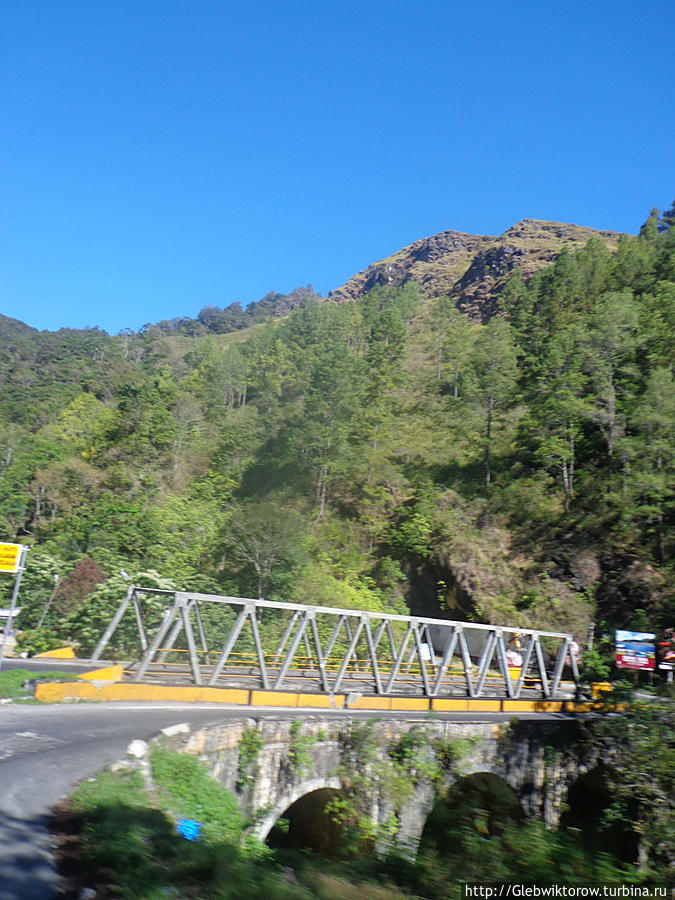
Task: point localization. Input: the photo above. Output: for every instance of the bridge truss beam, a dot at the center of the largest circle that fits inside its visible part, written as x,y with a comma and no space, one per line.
220,641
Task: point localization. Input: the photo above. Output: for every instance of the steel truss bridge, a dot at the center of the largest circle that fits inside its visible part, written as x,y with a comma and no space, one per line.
191,638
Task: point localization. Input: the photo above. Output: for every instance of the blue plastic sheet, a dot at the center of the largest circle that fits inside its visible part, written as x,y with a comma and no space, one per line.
189,829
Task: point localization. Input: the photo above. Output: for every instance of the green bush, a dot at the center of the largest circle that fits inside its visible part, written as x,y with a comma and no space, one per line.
134,849
250,746
38,640
187,790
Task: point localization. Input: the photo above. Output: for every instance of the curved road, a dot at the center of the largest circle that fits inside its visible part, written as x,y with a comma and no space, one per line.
46,749
43,752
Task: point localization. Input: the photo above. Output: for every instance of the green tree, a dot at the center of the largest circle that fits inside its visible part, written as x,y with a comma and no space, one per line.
452,340
559,407
270,366
264,538
653,477
611,342
657,321
638,750
667,219
83,425
328,415
495,377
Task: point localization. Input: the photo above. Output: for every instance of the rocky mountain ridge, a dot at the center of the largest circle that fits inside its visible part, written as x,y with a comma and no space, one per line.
472,268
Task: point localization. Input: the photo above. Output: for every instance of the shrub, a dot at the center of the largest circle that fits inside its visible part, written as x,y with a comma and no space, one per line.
37,640
187,790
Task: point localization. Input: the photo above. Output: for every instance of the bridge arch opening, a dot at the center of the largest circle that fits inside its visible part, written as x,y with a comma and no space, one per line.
307,825
589,799
480,805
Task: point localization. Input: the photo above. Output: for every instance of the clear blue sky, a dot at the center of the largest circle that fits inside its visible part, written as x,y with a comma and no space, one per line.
157,156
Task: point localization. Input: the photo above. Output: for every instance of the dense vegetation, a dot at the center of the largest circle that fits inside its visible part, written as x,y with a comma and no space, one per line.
368,454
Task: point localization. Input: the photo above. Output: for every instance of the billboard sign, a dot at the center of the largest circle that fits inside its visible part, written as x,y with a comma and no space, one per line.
10,557
635,650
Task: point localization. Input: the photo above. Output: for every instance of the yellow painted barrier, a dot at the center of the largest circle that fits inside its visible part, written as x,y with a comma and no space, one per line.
109,673
547,706
379,703
484,705
273,698
321,701
54,692
60,653
94,686
581,706
413,704
440,705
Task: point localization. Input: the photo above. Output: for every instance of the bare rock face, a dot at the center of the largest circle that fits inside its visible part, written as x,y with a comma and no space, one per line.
472,268
585,569
439,245
434,262
477,289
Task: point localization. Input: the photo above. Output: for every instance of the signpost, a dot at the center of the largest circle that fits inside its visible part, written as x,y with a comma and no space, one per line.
12,561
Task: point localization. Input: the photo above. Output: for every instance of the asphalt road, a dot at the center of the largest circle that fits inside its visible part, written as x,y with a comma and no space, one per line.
46,749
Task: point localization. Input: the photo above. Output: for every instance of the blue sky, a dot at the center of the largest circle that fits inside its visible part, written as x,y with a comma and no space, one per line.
157,156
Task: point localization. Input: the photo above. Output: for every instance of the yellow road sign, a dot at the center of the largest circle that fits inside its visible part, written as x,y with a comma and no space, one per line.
10,557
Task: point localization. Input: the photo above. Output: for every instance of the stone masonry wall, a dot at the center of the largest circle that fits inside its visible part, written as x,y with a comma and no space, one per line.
538,760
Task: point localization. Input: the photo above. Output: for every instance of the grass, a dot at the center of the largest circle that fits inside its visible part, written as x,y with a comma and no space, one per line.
14,682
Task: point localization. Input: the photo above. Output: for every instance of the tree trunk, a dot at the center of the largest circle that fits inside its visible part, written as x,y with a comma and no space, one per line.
567,469
611,423
178,446
322,492
642,856
566,486
259,574
488,439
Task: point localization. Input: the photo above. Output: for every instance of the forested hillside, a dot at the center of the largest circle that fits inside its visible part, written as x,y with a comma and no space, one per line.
385,453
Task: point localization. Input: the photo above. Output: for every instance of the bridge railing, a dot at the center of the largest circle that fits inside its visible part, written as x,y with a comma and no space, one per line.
221,640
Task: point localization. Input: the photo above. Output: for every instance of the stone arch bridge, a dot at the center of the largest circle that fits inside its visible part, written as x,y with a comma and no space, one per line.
290,759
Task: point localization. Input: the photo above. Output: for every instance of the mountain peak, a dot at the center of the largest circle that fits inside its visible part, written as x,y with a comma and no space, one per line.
472,267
